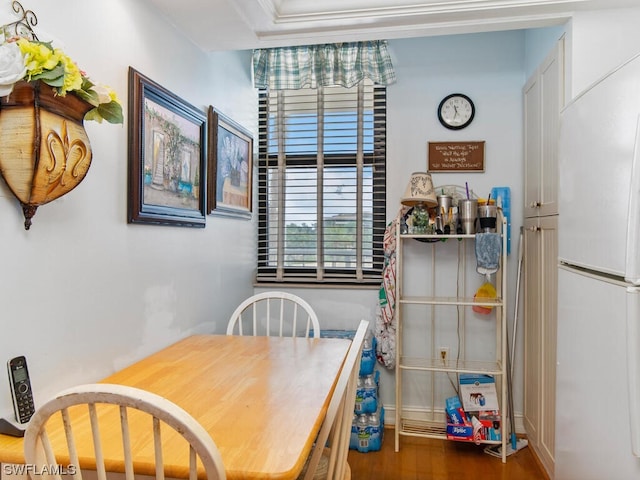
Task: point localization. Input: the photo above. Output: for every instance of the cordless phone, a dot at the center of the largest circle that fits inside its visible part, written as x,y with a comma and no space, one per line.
20,389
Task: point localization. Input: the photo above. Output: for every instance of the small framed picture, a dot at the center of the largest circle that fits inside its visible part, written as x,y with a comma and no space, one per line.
230,178
167,156
456,156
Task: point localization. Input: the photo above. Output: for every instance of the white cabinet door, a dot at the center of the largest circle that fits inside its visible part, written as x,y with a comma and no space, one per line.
532,146
548,234
543,99
552,80
540,326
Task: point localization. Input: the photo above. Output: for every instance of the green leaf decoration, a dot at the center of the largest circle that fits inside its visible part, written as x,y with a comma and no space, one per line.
87,84
88,96
111,112
53,78
93,115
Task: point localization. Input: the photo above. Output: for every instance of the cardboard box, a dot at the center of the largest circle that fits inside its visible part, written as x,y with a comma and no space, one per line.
455,412
490,421
478,393
461,433
459,426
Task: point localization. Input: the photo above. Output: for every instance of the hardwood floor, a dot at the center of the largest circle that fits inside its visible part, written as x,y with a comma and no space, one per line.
422,459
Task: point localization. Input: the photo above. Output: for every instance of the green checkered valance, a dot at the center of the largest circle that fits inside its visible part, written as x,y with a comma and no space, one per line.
311,66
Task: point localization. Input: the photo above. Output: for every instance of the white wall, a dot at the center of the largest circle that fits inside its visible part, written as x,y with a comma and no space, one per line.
538,44
83,293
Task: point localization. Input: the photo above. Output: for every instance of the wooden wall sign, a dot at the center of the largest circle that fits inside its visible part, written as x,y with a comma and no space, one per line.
456,157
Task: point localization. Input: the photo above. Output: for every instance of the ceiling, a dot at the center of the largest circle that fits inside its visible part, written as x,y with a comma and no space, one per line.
246,24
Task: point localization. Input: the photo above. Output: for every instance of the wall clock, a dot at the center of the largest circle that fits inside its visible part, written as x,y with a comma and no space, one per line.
456,111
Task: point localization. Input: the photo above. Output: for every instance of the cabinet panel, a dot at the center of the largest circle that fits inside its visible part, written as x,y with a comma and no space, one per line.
532,146
543,99
532,328
540,325
549,287
551,79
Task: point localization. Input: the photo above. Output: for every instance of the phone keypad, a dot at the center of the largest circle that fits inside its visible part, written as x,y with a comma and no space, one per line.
25,404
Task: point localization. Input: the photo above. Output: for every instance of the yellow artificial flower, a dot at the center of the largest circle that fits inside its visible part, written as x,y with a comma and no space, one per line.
72,75
38,57
113,96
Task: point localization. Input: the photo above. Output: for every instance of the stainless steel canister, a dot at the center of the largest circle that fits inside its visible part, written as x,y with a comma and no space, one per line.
468,212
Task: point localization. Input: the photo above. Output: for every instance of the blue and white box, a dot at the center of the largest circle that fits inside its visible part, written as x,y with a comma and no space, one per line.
454,410
478,392
463,433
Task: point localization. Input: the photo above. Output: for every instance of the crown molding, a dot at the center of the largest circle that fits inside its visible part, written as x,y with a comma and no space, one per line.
246,24
375,32
283,11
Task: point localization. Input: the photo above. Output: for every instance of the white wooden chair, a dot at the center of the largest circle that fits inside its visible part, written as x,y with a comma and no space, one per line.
85,404
328,459
274,314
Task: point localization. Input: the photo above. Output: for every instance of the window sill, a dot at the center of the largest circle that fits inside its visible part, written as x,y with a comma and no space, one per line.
317,286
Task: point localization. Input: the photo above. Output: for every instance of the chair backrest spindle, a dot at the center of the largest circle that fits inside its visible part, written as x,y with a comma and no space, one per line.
274,313
126,443
97,444
157,449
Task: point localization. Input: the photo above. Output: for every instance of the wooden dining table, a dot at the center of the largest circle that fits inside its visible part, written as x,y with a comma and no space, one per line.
262,399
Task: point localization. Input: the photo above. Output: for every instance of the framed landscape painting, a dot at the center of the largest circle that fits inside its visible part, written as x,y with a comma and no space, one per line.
230,178
167,156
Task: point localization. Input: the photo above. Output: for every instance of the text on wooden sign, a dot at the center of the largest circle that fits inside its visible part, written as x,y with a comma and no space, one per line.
456,156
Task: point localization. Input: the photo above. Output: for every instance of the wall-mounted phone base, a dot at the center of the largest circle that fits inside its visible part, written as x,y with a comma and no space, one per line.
7,427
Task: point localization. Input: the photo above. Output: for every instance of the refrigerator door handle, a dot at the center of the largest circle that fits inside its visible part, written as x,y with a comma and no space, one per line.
632,260
633,365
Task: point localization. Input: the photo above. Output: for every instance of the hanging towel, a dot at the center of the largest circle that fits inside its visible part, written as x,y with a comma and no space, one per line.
488,250
385,329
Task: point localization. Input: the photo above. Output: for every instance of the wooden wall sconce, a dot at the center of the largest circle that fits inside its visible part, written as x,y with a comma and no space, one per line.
44,148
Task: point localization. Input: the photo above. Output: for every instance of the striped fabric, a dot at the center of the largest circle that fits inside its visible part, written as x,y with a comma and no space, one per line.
311,66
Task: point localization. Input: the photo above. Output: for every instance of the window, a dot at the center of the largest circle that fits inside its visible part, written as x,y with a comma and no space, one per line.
321,184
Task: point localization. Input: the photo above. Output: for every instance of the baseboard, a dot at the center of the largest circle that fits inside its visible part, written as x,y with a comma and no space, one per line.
536,457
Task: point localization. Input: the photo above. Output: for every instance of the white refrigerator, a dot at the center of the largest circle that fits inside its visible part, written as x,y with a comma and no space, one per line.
598,369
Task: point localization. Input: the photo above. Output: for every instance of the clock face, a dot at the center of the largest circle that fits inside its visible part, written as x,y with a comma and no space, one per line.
456,111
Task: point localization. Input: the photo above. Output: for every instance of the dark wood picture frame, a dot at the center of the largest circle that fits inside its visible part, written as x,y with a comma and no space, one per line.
167,156
456,156
230,177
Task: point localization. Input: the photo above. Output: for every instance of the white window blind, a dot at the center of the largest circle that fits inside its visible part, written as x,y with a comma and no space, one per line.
321,184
